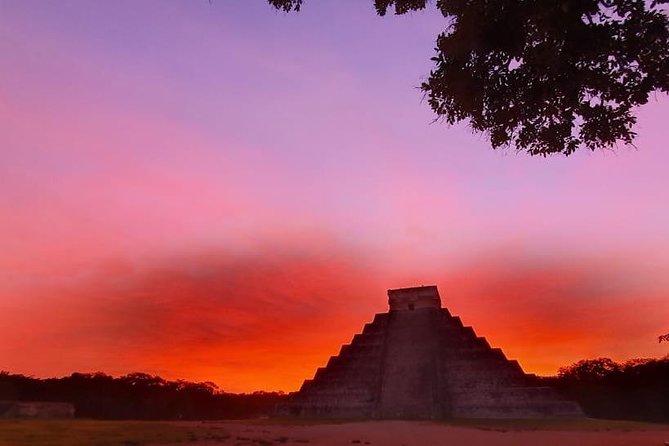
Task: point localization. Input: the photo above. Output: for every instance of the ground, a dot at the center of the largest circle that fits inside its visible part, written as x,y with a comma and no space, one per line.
296,432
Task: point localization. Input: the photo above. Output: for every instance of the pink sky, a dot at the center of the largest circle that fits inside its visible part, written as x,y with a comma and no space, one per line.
223,192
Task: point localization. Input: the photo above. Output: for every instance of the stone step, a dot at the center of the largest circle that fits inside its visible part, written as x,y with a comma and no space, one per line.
375,328
451,352
368,338
306,384
337,398
381,318
483,379
355,374
366,347
472,354
358,354
453,321
353,392
360,348
466,333
355,378
459,338
519,410
489,364
367,373
364,361
519,395
341,409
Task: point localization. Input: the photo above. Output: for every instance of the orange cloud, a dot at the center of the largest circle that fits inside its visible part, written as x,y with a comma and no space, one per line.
247,322
552,312
266,319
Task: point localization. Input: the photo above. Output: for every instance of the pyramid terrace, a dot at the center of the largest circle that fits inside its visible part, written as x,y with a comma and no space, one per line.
417,361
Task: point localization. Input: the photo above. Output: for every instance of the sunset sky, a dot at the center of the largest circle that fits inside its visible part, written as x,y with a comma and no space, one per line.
220,191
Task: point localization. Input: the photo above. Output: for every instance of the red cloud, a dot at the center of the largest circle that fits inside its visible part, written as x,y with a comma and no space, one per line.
267,320
262,321
548,313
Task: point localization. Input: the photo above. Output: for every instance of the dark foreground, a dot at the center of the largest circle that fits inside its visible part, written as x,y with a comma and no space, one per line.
583,432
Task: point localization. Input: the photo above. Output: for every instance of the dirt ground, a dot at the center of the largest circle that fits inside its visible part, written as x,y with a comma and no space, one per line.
412,433
582,432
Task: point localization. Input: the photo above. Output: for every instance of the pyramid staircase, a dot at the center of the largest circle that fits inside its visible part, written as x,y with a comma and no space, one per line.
419,362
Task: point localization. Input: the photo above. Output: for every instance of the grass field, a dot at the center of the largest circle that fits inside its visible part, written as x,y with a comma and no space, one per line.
104,433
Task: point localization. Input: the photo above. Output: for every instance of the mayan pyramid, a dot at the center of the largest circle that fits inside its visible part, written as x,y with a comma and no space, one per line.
419,362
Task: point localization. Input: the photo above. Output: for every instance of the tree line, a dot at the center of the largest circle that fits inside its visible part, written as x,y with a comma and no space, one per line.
634,390
138,396
637,389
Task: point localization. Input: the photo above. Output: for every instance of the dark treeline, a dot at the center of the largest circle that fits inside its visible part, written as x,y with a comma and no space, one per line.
138,396
634,390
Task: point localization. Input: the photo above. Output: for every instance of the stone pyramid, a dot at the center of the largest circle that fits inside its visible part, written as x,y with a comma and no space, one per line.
419,362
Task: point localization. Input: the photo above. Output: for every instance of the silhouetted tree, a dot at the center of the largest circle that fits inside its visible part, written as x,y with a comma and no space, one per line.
544,76
663,338
637,389
589,369
138,396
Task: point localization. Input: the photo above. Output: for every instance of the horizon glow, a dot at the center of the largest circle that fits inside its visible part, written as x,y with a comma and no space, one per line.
221,192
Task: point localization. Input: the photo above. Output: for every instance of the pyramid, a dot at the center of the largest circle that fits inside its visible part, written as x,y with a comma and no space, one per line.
417,361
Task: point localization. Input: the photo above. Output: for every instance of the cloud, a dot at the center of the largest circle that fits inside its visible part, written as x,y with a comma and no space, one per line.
267,317
260,320
549,312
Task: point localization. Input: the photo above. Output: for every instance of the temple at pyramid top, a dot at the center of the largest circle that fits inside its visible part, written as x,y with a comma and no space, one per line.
414,298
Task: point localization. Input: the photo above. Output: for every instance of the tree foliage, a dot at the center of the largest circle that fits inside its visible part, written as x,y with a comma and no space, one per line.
543,76
138,396
637,389
663,338
590,369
